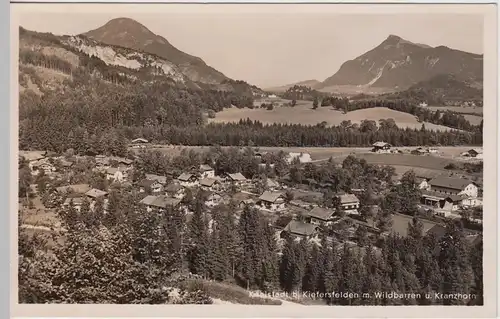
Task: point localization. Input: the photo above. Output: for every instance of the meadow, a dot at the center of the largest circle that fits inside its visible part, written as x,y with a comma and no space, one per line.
459,109
303,113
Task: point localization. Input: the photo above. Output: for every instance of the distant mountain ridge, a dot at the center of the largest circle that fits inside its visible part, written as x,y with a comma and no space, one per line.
398,64
309,83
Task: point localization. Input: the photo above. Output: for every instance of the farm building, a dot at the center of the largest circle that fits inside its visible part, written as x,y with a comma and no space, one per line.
77,188
272,184
139,143
150,184
475,152
302,204
349,203
206,171
95,193
381,147
148,201
163,202
77,202
272,201
160,179
300,229
212,198
115,174
209,183
237,178
319,215
175,190
188,180
454,186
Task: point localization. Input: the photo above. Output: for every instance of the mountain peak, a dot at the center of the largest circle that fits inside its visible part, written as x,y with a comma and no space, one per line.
129,33
393,37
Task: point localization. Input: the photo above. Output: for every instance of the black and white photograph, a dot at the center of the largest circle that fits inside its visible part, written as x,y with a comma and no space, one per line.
211,155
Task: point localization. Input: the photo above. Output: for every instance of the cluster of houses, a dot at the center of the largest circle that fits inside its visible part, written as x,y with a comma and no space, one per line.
446,195
300,214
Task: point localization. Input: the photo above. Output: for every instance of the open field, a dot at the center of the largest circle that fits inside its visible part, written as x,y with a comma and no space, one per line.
473,119
323,153
400,224
458,109
303,113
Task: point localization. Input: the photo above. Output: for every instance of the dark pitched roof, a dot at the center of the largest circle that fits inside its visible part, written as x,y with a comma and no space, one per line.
173,188
450,182
140,140
185,177
300,228
205,168
381,144
164,201
320,213
77,188
348,198
208,182
94,193
147,182
237,177
270,197
148,200
160,179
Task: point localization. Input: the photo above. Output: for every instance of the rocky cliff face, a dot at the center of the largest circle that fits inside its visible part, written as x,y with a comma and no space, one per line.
131,34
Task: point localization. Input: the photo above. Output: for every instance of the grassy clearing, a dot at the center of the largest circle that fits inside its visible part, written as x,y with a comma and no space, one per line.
474,119
303,113
458,109
228,292
400,224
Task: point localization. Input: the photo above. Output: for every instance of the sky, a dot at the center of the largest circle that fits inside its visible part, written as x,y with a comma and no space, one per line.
268,47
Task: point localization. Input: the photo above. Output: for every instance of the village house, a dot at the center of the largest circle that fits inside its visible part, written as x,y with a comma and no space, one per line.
209,184
272,185
115,174
302,204
161,179
453,186
123,163
422,180
242,199
95,193
381,147
271,201
349,203
150,185
419,151
139,143
188,180
32,157
160,202
206,171
237,178
42,164
65,164
448,203
300,229
475,153
147,202
319,216
212,199
76,188
175,190
77,203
